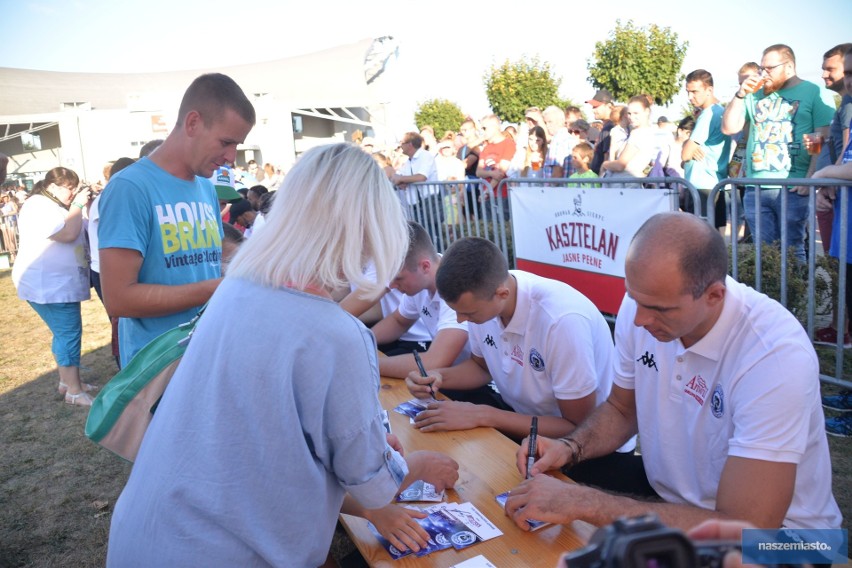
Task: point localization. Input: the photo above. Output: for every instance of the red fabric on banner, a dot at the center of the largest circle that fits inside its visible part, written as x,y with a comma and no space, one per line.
605,291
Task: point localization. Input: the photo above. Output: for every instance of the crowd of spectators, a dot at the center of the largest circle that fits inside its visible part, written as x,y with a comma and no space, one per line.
161,251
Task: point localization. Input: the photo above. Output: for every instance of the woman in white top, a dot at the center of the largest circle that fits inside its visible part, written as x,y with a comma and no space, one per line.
637,156
51,271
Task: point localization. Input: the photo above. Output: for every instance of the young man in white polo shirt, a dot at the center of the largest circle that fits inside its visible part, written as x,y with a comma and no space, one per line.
546,347
421,301
722,385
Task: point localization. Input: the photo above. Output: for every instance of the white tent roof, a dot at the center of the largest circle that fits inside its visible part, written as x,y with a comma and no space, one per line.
330,78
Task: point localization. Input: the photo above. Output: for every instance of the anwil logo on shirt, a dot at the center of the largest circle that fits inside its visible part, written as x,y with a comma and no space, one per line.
518,355
697,389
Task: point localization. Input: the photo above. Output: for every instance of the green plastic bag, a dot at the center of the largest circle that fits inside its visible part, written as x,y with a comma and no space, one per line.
121,412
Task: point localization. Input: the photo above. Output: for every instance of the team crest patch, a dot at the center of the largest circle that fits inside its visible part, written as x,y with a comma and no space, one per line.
717,402
536,360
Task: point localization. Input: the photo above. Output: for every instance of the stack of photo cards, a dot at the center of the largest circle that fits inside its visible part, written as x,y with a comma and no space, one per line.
534,525
412,408
421,491
446,530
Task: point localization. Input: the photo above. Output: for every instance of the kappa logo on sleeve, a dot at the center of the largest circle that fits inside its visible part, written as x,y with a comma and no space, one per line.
648,360
425,312
489,341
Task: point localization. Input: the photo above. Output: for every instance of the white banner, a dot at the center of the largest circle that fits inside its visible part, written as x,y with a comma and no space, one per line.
582,228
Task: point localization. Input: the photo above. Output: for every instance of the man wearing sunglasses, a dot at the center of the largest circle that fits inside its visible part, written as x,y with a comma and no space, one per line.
780,108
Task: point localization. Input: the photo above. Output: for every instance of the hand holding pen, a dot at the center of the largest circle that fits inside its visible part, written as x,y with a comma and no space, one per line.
422,369
531,450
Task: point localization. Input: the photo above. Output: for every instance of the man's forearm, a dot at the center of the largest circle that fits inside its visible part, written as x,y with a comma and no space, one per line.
154,300
733,118
397,366
467,375
518,425
607,508
388,329
604,431
411,179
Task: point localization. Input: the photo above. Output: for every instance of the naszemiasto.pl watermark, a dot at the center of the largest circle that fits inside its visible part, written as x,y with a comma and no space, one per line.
795,546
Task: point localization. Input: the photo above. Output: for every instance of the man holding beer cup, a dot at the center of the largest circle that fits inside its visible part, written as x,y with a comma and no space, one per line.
780,109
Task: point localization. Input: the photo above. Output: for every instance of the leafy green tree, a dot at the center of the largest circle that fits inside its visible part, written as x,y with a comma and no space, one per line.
636,61
442,115
513,87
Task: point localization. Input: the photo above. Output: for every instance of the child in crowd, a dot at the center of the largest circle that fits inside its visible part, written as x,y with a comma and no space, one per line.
581,158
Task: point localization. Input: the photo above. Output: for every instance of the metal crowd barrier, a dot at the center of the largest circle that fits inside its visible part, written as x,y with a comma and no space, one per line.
760,185
449,210
490,218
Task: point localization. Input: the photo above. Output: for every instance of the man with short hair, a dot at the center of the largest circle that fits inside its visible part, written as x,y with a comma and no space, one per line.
778,114
420,167
838,138
545,345
469,154
841,402
559,143
416,280
495,159
160,232
244,215
706,153
602,106
722,385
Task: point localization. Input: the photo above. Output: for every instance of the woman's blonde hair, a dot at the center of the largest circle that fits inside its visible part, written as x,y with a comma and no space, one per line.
335,212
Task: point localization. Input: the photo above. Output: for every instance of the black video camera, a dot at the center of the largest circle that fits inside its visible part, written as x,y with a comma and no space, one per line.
644,542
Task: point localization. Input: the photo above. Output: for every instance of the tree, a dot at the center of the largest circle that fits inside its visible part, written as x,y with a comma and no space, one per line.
636,61
442,115
513,87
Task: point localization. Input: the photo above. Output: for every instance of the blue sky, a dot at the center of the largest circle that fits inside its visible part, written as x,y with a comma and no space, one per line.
445,46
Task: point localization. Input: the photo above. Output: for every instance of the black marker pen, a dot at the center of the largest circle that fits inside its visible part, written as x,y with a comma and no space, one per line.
422,370
532,447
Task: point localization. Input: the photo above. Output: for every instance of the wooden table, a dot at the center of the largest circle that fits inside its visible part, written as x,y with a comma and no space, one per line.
486,468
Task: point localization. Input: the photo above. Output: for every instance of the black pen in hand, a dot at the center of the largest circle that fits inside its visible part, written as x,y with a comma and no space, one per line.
531,450
422,370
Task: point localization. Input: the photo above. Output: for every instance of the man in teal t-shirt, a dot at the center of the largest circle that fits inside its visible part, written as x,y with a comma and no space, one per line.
160,234
707,152
779,113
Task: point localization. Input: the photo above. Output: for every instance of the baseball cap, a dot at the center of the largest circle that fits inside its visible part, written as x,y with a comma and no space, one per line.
223,181
601,97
